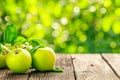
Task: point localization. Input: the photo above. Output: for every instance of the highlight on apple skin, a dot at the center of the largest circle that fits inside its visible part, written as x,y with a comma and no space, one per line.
44,59
19,60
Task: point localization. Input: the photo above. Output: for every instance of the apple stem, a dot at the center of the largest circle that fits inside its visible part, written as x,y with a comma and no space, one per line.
24,47
15,46
3,53
16,52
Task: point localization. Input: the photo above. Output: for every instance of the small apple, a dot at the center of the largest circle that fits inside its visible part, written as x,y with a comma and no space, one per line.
9,46
25,45
5,50
3,54
19,60
44,59
2,61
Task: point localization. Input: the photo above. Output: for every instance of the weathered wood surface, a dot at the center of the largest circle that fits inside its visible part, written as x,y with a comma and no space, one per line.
76,67
92,67
114,62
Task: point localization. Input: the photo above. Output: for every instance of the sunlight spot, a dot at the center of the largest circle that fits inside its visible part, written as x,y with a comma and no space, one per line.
107,22
103,10
64,21
92,8
76,10
116,27
29,16
7,18
66,32
38,26
113,44
55,33
72,1
18,10
56,25
107,3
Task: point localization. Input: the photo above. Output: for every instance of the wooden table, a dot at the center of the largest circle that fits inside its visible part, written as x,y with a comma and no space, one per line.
76,67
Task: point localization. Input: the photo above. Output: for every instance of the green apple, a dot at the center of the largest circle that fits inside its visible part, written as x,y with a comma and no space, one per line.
19,60
25,45
5,50
2,60
44,59
3,54
9,46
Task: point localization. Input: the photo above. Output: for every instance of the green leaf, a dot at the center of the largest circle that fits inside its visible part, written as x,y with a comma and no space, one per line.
36,42
20,39
10,33
32,51
56,69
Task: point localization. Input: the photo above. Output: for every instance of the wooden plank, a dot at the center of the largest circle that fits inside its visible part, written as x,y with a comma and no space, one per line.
92,67
3,73
6,74
114,61
63,61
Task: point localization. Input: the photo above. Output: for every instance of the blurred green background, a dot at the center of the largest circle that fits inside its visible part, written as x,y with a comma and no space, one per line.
68,26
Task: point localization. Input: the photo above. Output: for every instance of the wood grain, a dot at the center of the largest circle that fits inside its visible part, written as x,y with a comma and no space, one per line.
92,67
76,67
114,61
6,74
63,61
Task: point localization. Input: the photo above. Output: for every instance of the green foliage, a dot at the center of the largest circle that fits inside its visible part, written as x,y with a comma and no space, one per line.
68,26
36,42
20,39
56,69
10,33
32,51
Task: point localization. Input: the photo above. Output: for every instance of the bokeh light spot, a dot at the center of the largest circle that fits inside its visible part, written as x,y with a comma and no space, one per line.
63,21
116,27
80,49
76,10
113,44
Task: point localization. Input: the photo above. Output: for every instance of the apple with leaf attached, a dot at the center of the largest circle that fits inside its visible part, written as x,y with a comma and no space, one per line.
44,59
23,53
18,60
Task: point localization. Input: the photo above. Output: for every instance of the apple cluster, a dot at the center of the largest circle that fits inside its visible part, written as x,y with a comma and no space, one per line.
19,60
19,54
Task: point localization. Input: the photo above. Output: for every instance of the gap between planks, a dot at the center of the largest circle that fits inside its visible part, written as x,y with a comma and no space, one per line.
113,64
73,67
